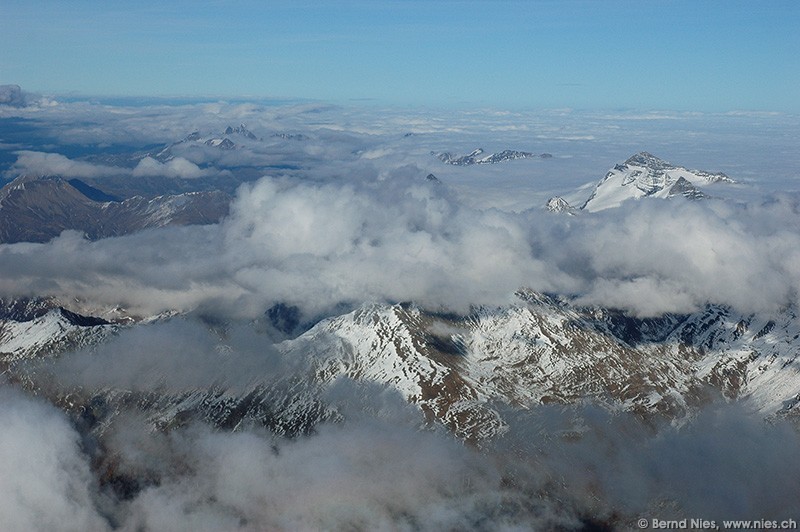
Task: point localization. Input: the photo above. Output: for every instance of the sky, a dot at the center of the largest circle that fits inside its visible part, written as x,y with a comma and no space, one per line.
679,54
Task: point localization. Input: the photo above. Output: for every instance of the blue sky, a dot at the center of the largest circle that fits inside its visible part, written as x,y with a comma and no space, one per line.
686,55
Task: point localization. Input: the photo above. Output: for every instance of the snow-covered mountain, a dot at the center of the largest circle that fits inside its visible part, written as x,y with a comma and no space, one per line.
458,368
545,350
33,328
220,140
644,175
241,129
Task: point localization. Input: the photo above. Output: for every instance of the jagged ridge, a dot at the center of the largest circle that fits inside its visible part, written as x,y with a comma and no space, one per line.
455,368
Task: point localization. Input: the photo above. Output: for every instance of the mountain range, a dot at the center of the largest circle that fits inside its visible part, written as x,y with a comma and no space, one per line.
466,373
221,141
457,368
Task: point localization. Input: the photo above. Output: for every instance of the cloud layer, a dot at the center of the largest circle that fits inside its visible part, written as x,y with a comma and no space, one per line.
343,215
45,479
376,470
401,238
177,167
55,164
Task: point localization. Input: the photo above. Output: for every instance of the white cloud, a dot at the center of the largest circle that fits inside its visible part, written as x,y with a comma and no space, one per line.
177,167
403,239
655,256
555,467
55,164
45,480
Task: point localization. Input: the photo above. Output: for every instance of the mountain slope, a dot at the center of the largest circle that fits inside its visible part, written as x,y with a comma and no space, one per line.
36,209
546,350
33,328
460,369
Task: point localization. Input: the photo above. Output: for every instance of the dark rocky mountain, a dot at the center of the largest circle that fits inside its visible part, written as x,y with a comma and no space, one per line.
682,187
37,209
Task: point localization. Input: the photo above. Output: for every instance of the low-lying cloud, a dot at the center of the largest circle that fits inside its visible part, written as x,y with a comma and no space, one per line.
45,479
54,164
401,238
177,167
556,467
655,256
174,356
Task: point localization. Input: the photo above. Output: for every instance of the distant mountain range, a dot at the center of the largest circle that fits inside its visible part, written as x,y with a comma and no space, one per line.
36,209
479,157
221,141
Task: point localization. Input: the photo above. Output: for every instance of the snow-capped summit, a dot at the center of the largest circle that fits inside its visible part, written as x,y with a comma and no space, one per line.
241,130
559,204
645,175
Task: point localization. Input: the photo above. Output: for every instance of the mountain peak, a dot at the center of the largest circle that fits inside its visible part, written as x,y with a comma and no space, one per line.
241,130
645,175
647,159
683,187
